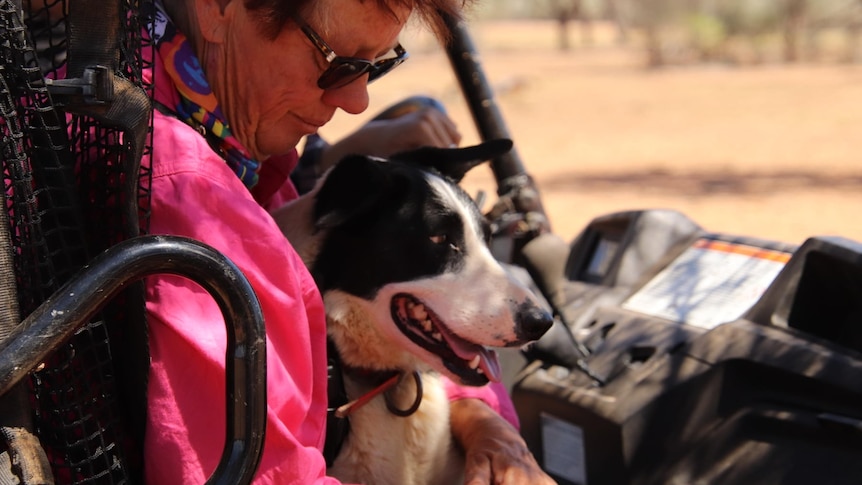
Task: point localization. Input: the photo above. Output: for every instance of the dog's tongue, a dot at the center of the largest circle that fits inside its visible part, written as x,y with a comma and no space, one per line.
487,358
490,365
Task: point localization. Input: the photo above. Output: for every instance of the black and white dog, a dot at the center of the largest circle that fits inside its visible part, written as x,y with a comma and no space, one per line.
411,291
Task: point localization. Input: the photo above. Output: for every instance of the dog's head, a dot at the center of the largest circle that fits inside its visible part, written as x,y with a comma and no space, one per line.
398,251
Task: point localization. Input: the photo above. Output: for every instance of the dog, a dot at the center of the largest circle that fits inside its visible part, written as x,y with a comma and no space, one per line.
411,292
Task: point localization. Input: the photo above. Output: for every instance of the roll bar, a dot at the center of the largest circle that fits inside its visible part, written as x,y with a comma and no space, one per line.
519,214
477,92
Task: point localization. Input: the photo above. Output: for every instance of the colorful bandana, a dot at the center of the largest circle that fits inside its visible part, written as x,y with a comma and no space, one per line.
198,106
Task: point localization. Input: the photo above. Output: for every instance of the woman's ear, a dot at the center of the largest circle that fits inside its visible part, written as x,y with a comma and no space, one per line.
214,16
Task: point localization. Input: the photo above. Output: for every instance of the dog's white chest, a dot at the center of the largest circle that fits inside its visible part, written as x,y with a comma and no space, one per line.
385,449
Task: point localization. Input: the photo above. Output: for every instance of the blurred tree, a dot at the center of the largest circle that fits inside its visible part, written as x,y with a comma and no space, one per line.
567,11
751,21
564,11
708,36
653,16
614,12
793,28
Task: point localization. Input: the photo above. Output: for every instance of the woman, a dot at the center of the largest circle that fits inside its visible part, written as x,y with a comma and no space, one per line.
238,83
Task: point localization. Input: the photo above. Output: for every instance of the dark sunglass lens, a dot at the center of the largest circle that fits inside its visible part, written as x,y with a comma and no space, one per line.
341,74
383,67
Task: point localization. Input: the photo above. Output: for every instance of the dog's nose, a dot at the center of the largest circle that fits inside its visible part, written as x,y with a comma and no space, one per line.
533,322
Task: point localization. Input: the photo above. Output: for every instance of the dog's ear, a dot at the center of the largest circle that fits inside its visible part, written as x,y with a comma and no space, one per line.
455,162
351,187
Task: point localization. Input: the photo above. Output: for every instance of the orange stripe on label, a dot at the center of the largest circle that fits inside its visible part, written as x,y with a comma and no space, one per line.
742,249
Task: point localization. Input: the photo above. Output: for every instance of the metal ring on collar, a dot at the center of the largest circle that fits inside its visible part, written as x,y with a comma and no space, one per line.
414,407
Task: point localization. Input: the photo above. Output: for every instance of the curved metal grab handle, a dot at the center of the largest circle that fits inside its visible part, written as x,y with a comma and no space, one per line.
71,306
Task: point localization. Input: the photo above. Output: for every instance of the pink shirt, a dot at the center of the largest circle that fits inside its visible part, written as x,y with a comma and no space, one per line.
195,194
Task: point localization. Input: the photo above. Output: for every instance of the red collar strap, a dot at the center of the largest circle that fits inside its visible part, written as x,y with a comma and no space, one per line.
383,388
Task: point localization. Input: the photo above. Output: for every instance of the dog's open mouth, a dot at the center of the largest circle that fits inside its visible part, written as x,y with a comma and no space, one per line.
473,364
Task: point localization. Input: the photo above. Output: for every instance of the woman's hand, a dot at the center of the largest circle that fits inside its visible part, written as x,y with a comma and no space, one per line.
495,451
426,126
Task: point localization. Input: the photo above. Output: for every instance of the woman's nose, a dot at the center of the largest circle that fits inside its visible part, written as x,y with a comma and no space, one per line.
352,98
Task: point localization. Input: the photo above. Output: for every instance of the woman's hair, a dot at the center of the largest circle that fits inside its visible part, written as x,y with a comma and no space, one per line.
275,14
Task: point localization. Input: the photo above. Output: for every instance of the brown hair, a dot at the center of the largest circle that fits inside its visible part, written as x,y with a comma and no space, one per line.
274,14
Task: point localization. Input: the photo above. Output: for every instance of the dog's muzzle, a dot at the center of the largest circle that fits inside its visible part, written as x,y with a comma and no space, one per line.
473,364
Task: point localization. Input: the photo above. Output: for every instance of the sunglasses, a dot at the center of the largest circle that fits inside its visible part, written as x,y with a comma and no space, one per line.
344,70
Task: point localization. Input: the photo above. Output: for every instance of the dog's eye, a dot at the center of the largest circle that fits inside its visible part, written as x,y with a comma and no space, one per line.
443,239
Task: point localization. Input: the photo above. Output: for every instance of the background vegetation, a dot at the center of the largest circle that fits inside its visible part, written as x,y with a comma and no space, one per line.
691,31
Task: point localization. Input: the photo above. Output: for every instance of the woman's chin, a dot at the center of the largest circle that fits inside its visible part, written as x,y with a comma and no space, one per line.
285,144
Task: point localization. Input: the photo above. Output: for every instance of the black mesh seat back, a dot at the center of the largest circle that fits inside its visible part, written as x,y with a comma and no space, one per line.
77,182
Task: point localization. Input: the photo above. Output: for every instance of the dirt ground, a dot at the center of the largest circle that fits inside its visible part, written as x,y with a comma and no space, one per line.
767,151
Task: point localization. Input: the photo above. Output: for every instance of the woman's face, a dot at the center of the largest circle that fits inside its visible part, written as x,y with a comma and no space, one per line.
268,88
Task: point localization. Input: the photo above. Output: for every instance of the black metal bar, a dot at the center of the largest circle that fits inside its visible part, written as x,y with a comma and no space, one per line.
71,306
516,188
480,98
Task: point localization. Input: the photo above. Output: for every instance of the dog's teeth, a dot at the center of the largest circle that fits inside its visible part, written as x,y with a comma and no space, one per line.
427,326
417,312
474,364
437,336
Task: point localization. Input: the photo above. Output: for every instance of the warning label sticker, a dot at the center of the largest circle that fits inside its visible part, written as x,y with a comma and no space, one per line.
710,283
563,449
